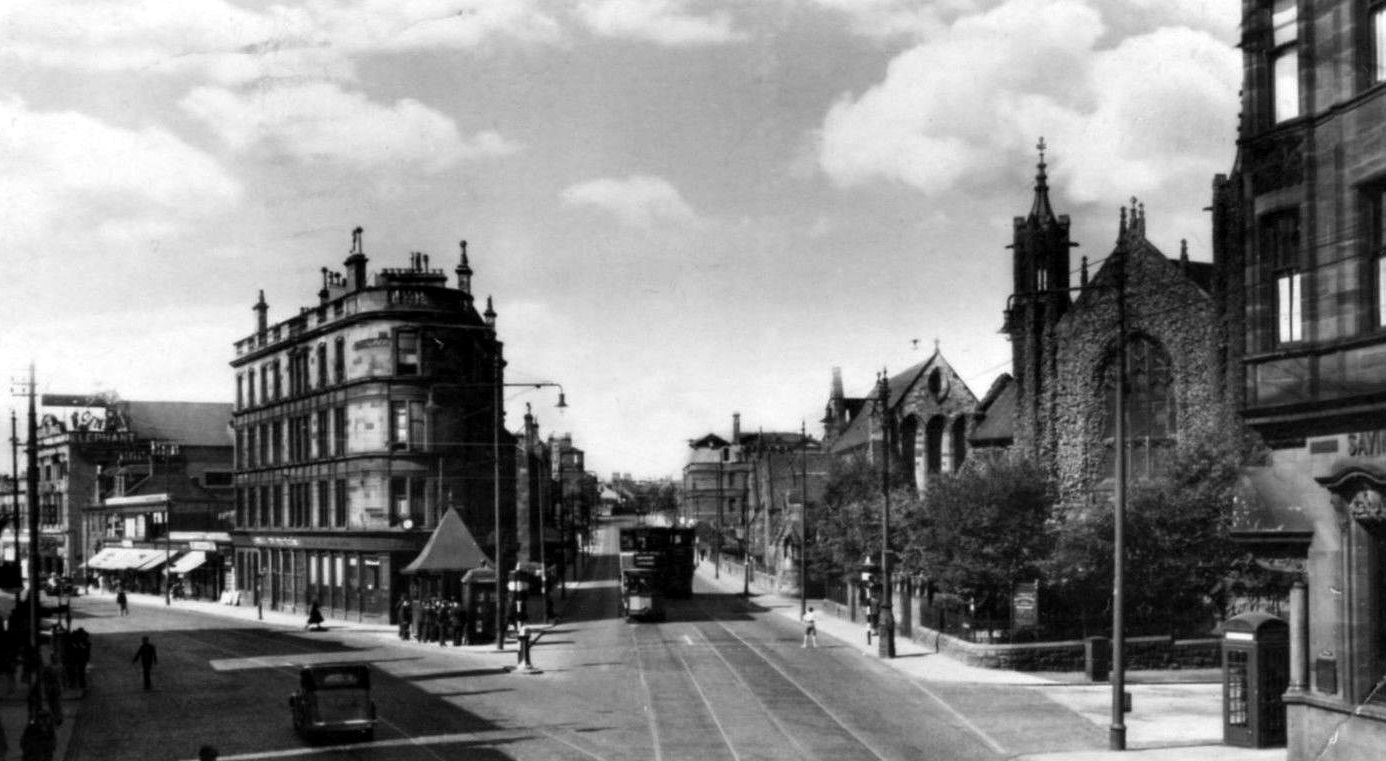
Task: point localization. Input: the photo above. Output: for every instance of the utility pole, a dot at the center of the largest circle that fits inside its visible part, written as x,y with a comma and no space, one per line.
499,420
14,473
31,452
803,520
887,620
1117,733
717,540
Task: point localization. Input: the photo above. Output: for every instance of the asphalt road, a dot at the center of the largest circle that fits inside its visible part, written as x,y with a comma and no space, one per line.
720,679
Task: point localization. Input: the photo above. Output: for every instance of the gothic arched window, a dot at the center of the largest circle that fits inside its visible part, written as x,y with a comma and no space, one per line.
1150,408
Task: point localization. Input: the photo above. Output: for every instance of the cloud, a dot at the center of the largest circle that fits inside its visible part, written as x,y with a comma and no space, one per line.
666,22
884,19
964,108
321,121
638,200
66,171
232,45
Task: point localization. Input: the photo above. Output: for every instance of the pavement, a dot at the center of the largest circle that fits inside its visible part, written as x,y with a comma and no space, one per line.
1176,716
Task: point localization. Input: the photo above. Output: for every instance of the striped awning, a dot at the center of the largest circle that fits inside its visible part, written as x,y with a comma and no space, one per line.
150,560
188,561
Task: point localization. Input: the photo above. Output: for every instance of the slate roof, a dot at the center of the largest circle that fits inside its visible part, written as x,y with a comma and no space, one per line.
177,485
997,414
858,432
451,548
193,424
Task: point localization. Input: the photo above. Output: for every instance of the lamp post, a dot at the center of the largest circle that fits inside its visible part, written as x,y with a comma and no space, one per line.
1117,732
803,520
498,415
887,619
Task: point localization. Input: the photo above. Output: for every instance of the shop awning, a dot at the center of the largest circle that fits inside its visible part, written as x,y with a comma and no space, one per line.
188,561
105,559
152,559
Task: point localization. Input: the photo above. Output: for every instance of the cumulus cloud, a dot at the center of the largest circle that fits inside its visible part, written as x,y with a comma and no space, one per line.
320,121
966,105
667,22
232,45
637,200
66,171
896,18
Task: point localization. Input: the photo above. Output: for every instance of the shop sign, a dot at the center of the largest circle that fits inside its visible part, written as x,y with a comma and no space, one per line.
1366,444
274,541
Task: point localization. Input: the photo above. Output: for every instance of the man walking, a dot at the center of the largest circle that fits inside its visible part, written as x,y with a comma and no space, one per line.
123,602
810,628
147,657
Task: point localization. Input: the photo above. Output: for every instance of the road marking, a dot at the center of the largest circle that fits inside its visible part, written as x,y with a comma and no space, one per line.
447,739
976,730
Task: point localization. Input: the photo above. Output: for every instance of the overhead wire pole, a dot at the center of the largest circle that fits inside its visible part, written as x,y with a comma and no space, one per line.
14,474
803,520
31,452
499,420
1117,733
887,622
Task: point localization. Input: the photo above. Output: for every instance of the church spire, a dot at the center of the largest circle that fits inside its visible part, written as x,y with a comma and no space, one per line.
1041,210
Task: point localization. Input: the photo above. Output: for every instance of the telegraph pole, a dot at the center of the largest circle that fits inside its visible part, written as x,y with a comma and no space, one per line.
1117,733
887,620
31,452
803,520
14,473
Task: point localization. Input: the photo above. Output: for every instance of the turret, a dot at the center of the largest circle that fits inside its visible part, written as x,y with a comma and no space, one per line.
464,272
490,314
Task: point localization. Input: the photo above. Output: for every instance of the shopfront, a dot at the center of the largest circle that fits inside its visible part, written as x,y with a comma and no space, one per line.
1317,513
352,578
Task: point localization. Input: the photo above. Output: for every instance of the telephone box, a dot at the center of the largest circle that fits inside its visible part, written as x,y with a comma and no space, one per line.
1255,674
479,600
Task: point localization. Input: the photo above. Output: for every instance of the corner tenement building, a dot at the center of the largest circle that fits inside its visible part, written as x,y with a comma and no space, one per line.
1302,215
358,422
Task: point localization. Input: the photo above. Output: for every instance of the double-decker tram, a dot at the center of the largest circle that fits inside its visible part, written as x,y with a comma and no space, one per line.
656,562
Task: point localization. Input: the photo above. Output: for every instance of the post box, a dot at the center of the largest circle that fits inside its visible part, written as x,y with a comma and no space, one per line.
1255,674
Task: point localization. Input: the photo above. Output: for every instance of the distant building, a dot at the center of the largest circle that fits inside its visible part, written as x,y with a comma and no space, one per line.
716,488
106,446
782,466
1301,222
360,420
929,414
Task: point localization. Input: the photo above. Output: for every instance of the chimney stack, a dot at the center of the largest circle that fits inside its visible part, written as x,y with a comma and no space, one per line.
736,428
261,314
356,262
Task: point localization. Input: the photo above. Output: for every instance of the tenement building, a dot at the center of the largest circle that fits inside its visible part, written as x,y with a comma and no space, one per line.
358,422
1303,216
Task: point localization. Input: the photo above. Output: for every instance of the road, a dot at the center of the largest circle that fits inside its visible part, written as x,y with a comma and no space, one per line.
720,679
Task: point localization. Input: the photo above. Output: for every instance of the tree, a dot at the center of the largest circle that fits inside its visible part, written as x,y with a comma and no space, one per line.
980,530
846,523
1178,550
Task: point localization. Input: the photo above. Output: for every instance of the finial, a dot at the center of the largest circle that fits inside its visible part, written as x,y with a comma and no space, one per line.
936,339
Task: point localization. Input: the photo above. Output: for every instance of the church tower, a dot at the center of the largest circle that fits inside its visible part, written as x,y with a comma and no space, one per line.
1039,297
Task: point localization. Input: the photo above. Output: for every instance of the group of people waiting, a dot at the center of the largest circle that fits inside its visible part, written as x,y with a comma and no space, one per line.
433,619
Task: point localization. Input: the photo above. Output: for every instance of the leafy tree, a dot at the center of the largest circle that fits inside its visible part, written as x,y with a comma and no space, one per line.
846,523
980,530
1178,551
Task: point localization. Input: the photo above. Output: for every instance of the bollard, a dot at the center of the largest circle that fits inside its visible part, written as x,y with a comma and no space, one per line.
523,664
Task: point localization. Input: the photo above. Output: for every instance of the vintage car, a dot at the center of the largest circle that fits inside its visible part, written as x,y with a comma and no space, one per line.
334,698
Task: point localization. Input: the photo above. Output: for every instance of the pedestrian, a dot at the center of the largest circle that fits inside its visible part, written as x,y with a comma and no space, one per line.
207,753
459,623
81,656
416,611
123,602
147,657
404,618
315,617
810,620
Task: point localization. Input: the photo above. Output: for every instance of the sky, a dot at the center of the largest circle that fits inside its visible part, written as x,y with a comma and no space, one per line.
683,209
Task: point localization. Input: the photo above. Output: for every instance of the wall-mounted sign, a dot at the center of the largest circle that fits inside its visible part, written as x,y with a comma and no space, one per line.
1366,444
1025,605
